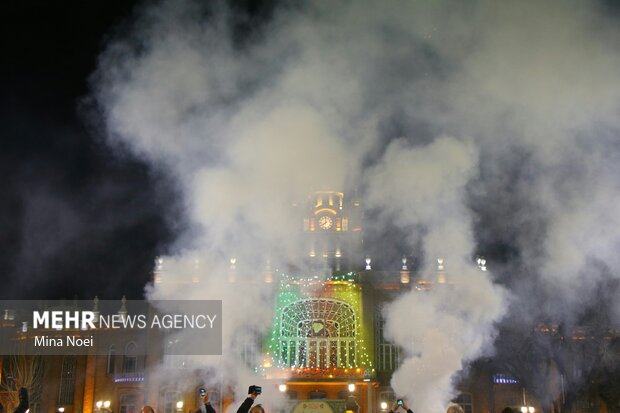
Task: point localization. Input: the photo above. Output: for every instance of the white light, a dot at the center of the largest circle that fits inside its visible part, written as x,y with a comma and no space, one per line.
531,409
61,409
99,404
368,261
383,406
523,409
351,387
180,405
106,404
282,388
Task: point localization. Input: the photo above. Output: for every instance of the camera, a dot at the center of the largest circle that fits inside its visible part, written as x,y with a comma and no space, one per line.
203,392
255,389
399,402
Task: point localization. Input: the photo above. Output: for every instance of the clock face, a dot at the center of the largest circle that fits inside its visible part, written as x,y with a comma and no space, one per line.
325,222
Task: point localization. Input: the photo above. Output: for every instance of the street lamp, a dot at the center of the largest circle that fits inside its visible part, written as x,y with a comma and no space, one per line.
282,388
527,409
102,406
351,387
180,406
384,406
61,410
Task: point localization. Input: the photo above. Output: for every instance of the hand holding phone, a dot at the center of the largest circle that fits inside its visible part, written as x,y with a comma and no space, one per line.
204,396
255,390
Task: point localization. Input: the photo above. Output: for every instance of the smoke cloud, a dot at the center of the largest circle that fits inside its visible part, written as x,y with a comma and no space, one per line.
464,125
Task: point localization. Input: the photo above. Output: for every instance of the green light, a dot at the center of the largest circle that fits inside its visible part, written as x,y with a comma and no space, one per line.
303,295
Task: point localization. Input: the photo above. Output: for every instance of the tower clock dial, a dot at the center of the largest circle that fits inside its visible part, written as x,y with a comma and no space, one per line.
326,222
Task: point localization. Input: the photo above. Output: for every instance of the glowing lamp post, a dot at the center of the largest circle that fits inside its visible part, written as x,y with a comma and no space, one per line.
282,388
180,406
101,406
351,387
383,406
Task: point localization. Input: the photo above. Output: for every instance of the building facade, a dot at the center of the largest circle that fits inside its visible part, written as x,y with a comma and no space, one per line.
327,339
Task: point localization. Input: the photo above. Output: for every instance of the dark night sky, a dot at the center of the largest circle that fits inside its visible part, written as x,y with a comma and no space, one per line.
76,218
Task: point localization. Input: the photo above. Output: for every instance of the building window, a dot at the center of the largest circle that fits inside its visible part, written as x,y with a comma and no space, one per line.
388,354
387,396
67,380
170,401
465,400
129,403
111,359
250,349
130,359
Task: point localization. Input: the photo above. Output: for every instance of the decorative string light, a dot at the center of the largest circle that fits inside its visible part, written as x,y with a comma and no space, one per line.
341,288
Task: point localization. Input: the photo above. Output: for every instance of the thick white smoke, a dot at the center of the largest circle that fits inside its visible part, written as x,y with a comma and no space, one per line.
406,102
442,329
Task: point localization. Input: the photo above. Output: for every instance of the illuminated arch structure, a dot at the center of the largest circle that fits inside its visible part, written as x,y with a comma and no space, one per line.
319,329
318,332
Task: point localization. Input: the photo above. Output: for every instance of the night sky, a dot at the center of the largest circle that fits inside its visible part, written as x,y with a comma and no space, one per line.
77,218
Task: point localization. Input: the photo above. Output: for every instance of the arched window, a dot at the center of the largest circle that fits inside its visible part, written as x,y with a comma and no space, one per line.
111,359
318,333
130,359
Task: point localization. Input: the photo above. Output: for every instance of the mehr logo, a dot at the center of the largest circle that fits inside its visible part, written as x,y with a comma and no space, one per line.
64,319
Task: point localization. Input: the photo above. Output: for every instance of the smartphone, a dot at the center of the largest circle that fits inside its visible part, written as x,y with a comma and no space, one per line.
255,389
399,402
203,392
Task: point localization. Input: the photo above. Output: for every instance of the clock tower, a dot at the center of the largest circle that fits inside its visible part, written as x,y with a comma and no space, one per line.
334,233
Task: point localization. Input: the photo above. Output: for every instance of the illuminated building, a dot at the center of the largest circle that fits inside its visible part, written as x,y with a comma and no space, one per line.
326,348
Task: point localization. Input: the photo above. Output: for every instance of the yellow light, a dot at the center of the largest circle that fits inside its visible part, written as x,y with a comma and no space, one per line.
351,387
383,406
180,405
